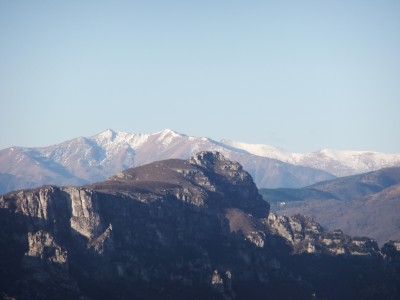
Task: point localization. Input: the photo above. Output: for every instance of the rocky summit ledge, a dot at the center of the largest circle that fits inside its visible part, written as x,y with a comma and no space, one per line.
207,180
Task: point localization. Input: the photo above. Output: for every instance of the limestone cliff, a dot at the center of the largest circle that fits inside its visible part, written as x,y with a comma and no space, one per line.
175,229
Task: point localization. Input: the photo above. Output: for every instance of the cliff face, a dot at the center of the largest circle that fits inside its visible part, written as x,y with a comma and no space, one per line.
178,229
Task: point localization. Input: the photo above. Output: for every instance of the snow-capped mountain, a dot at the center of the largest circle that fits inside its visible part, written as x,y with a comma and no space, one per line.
88,159
338,163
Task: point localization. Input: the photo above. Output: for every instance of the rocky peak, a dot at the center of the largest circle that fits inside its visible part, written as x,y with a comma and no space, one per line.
207,159
108,134
214,161
207,180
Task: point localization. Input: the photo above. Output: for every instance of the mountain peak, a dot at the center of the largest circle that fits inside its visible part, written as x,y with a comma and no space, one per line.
107,134
168,131
167,136
207,180
207,158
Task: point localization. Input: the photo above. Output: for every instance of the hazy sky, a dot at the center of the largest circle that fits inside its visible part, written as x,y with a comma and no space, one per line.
300,75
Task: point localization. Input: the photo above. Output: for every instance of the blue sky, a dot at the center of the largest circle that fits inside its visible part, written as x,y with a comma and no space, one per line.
300,75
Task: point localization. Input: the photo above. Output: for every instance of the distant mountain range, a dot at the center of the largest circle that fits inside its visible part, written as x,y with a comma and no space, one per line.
85,160
363,205
338,163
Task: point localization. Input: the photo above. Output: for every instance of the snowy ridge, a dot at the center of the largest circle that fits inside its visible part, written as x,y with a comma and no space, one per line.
111,151
339,163
262,150
111,140
89,159
167,136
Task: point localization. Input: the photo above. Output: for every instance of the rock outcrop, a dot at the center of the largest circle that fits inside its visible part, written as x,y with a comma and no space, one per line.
307,236
176,229
361,205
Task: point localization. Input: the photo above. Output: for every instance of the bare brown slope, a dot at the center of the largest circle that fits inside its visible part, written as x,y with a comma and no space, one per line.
358,186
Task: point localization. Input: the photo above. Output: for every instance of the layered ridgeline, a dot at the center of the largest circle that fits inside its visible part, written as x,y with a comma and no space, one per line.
365,204
180,229
87,160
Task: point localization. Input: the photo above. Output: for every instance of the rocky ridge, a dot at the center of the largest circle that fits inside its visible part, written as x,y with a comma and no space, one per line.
179,229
